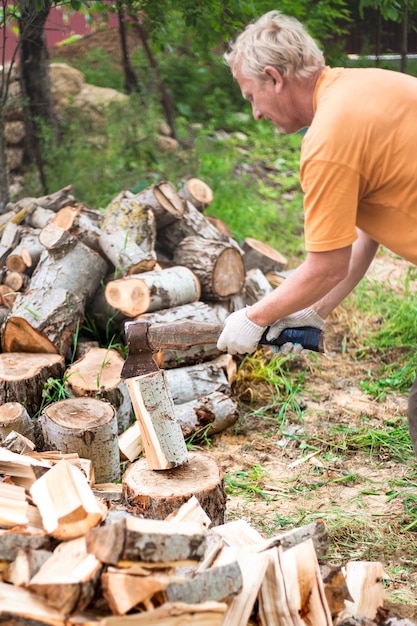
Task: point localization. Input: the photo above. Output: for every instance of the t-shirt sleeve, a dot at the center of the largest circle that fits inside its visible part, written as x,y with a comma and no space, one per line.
331,195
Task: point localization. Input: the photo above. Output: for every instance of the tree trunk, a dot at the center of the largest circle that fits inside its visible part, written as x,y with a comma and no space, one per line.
35,81
131,81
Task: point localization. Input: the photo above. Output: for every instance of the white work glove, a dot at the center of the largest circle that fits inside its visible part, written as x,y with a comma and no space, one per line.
305,317
240,335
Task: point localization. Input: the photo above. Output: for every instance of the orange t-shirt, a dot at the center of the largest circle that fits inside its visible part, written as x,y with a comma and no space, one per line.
358,164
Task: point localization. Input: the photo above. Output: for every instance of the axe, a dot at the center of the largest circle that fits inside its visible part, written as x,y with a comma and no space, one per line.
162,437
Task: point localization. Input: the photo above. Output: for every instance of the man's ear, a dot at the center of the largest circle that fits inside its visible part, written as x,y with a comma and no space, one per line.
275,76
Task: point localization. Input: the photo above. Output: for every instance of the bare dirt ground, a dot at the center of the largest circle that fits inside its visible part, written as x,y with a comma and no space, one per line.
274,482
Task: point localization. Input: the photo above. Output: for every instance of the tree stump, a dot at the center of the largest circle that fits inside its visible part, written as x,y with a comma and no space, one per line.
24,375
158,494
88,427
219,265
14,417
97,375
151,291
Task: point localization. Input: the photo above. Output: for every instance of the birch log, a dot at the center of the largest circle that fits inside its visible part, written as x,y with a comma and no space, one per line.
155,495
208,414
259,255
25,256
151,291
23,376
128,235
97,375
46,316
218,264
88,427
166,204
14,417
194,381
197,192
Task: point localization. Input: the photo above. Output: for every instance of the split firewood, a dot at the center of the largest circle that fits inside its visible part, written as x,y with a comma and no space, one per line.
23,539
191,511
13,506
109,492
166,204
162,438
364,581
14,417
67,580
192,224
88,427
218,264
46,316
195,311
124,591
26,564
151,291
253,568
15,442
335,588
197,192
66,502
173,614
24,375
25,256
130,443
145,541
22,469
187,383
208,414
384,617
21,607
155,496
259,255
97,375
240,534
128,235
256,286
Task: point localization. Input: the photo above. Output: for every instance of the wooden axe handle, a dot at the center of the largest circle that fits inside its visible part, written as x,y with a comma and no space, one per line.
182,335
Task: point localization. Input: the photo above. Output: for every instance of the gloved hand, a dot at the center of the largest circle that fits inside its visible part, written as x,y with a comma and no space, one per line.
305,317
240,335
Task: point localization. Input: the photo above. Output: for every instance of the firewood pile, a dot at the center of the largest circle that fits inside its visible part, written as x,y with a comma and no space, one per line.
68,559
90,533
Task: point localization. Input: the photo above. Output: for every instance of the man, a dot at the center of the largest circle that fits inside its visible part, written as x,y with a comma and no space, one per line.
358,172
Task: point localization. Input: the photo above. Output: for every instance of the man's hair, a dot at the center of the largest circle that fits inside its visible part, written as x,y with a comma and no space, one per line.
277,40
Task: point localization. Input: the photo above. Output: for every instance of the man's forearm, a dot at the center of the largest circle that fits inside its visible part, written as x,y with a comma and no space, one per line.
363,253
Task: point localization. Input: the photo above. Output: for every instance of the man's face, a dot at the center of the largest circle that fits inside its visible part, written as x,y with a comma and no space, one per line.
271,100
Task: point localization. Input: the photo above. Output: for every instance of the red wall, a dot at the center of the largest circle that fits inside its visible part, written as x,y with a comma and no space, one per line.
59,26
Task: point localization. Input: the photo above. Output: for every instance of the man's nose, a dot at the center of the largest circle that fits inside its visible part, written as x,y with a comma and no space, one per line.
256,113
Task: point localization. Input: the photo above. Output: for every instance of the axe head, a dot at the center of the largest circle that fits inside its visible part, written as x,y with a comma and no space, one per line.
139,359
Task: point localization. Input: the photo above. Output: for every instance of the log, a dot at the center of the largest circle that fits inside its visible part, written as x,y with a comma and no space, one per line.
24,608
128,235
206,415
187,383
256,286
162,438
58,199
364,581
15,280
177,614
21,539
259,255
152,291
66,503
158,494
166,204
9,240
195,311
15,442
97,375
220,226
7,296
25,256
40,217
74,221
197,192
88,427
67,580
219,266
192,224
46,317
14,417
145,541
24,375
